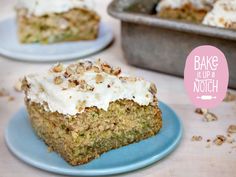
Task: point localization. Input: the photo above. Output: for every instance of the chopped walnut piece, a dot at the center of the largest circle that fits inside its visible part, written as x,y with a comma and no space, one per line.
209,117
69,71
58,80
83,86
88,65
81,105
154,102
80,69
229,97
219,140
201,111
99,78
72,83
125,79
116,71
153,88
58,68
89,87
98,62
18,85
95,69
106,68
196,138
232,129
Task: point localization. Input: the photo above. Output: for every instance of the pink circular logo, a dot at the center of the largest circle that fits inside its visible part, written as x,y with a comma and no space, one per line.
206,76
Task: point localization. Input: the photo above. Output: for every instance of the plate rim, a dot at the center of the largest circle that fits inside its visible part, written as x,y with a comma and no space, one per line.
108,171
18,56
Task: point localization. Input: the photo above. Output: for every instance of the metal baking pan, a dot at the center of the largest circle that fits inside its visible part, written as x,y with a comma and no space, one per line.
163,45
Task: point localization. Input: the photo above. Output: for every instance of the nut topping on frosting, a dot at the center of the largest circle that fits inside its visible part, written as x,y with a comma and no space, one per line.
70,89
99,78
58,80
58,68
153,88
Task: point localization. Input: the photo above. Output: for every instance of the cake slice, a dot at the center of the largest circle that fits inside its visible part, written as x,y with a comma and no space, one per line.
222,15
49,21
88,108
187,10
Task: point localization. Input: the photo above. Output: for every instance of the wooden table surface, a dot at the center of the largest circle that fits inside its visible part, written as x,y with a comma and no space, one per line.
189,159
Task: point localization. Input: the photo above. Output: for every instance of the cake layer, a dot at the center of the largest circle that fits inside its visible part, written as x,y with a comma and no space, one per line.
83,137
223,14
71,89
75,24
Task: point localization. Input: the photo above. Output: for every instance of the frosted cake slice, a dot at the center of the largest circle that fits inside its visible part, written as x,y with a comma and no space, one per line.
187,10
49,21
222,15
88,108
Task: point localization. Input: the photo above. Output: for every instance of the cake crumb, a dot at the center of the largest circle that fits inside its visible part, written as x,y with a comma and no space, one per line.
18,85
209,117
229,97
201,111
219,140
196,138
153,89
232,129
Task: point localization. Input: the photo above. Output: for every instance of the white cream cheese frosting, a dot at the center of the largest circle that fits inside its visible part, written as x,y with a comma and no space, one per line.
92,87
198,4
223,14
42,7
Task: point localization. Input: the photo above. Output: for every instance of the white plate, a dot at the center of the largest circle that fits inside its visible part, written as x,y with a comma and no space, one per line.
10,47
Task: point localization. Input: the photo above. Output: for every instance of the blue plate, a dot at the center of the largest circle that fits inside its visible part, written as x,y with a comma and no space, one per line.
22,142
10,47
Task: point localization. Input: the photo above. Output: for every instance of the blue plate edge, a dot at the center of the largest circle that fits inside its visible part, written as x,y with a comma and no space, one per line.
109,171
